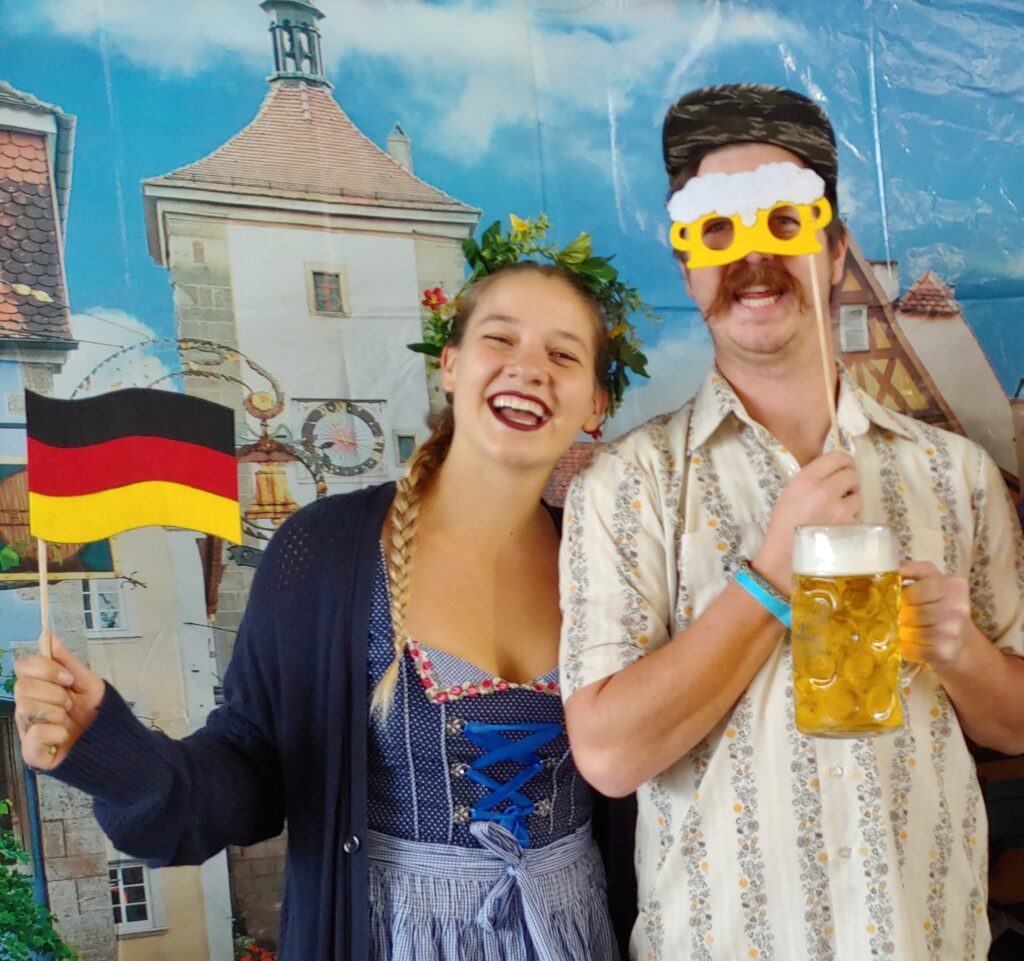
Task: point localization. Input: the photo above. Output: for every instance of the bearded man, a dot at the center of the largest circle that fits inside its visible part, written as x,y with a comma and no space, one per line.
755,840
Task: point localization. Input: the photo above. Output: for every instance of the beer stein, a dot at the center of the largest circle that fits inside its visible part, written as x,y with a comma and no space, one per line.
847,666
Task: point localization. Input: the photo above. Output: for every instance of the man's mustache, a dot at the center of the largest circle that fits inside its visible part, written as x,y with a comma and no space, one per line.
744,275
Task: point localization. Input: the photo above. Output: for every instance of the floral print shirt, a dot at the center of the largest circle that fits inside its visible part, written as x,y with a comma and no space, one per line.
762,842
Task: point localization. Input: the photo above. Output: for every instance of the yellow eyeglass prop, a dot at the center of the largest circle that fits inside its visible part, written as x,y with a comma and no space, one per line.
786,229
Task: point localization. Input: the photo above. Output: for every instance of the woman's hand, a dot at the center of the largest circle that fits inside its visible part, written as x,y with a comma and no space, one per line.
54,702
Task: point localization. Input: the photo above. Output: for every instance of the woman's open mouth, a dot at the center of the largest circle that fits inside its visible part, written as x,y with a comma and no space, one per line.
519,411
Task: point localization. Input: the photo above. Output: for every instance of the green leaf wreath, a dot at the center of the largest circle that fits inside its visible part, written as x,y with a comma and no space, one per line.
527,240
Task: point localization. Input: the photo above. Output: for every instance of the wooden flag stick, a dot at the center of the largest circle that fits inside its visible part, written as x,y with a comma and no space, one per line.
45,647
45,639
827,369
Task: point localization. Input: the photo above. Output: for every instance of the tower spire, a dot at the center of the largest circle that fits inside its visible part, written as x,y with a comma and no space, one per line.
296,41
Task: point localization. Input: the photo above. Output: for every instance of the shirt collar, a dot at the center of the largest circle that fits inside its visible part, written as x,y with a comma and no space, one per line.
715,401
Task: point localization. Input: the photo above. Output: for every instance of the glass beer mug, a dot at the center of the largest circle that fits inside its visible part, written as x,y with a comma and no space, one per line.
846,651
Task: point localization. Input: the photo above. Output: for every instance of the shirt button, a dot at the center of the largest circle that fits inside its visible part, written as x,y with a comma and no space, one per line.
844,852
835,771
351,844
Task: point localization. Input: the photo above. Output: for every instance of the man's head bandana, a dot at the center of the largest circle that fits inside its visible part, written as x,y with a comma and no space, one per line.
719,218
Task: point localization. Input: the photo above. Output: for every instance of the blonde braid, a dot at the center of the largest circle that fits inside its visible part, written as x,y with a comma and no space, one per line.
404,513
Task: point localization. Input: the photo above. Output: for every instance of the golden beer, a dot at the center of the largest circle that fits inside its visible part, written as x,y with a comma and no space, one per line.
846,650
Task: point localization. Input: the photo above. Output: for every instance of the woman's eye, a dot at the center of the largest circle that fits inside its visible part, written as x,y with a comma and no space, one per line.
498,338
564,356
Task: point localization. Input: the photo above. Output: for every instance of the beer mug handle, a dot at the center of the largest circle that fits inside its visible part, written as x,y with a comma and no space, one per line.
910,668
823,216
679,239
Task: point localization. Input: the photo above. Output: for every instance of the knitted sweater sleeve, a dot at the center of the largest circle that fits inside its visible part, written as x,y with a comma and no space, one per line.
181,801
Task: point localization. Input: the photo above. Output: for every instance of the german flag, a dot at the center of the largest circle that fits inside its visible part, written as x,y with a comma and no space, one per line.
130,459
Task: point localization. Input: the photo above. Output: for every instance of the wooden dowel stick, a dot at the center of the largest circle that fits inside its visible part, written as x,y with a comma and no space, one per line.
826,367
45,647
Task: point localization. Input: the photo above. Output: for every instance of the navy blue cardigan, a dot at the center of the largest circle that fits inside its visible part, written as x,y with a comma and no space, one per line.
288,744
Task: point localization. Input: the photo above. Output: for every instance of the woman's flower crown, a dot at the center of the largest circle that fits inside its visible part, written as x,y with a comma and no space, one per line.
527,240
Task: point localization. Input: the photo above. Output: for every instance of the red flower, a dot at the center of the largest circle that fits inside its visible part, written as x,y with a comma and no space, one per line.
434,299
255,953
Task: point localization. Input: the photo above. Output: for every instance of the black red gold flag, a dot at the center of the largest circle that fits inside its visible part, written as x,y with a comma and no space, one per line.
130,459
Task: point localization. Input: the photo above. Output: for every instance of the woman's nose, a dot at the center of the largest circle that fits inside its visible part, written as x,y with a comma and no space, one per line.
527,364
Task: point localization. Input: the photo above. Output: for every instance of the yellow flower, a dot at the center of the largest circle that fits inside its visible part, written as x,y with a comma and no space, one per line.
519,225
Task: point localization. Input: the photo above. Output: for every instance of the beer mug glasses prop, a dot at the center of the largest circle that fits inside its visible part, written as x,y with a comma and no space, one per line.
846,651
787,229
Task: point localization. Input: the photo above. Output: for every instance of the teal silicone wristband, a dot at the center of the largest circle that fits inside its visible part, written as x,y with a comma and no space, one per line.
765,595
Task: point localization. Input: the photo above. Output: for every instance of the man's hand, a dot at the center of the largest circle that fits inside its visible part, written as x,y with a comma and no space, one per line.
54,702
935,616
826,491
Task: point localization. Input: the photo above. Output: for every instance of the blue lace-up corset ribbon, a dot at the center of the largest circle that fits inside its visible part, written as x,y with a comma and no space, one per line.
506,805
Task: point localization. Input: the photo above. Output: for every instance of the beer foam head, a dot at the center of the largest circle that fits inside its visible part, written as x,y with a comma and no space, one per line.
745,193
847,550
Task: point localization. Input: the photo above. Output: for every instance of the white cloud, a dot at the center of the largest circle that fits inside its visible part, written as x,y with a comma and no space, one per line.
676,363
101,362
1015,266
183,36
945,259
482,66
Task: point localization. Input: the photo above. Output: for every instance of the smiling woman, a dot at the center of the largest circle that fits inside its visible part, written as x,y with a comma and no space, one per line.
448,816
471,557
525,356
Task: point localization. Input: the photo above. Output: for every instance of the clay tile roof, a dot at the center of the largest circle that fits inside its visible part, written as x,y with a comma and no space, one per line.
63,146
29,249
301,142
566,468
931,297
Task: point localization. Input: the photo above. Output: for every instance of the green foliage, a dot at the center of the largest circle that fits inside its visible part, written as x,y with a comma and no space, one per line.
26,928
9,558
527,240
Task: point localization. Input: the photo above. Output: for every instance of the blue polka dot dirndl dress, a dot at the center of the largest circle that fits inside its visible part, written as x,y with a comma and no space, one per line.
479,844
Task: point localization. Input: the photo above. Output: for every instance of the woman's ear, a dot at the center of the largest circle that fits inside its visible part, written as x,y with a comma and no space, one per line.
599,408
449,355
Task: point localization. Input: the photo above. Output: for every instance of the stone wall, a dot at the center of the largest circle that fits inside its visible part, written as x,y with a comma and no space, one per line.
200,267
257,887
76,869
74,848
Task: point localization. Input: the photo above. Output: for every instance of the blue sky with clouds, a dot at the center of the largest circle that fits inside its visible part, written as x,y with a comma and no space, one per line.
557,106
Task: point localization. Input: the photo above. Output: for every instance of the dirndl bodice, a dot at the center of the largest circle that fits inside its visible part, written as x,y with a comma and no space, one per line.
479,821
